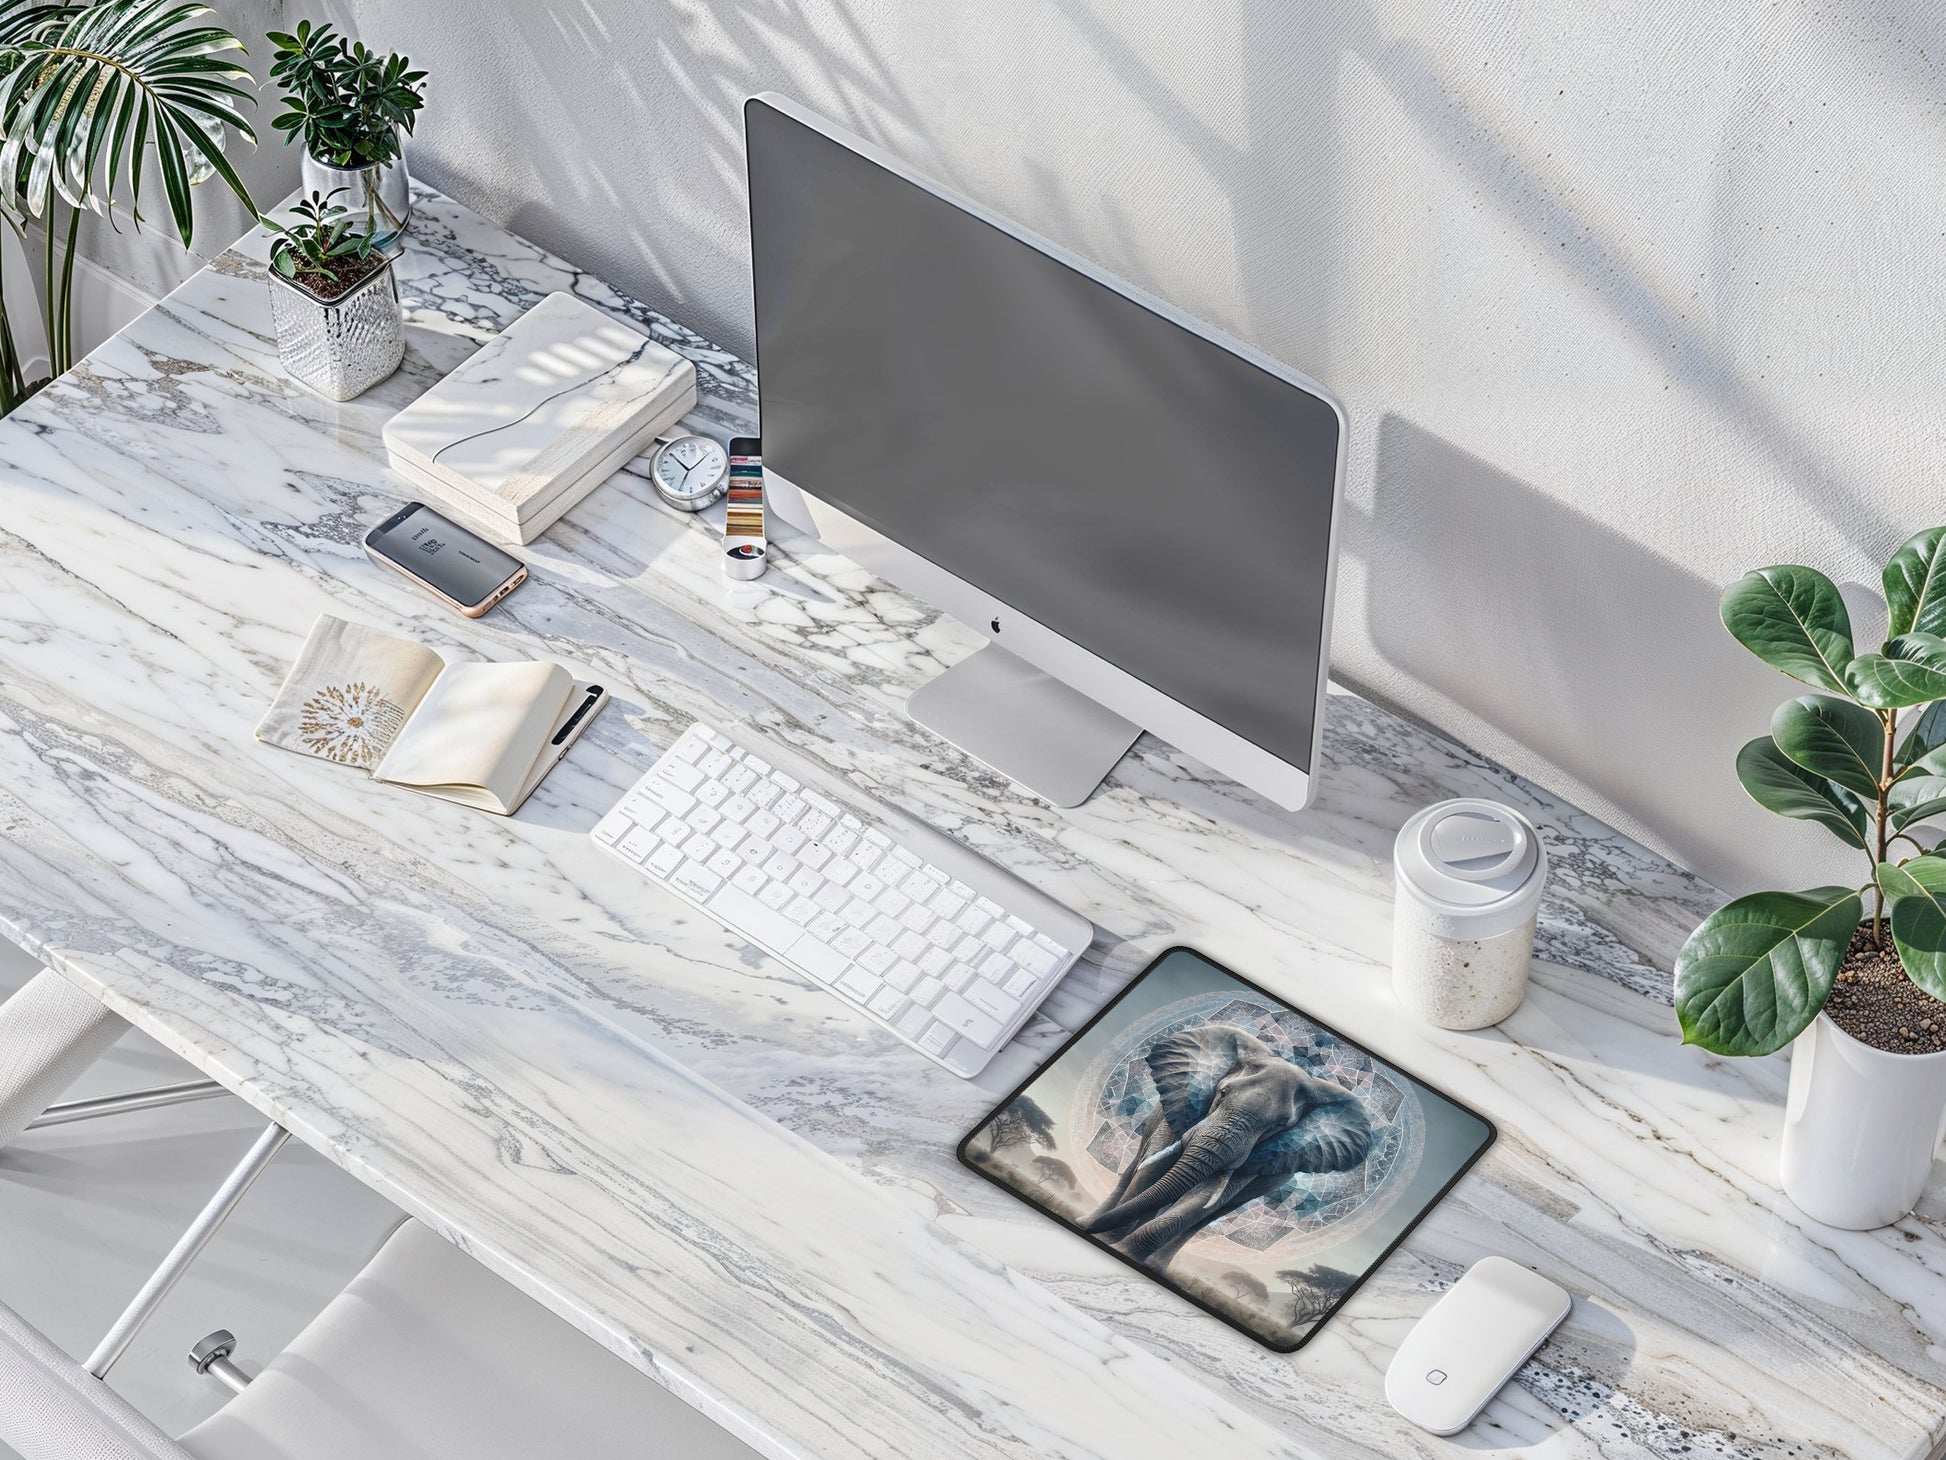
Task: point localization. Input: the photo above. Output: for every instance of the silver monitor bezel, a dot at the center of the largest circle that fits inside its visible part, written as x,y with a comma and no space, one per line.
1119,690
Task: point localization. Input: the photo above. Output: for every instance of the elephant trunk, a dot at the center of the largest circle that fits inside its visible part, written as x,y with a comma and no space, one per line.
1211,1149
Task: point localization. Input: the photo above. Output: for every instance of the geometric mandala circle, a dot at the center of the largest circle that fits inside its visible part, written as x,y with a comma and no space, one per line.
1115,1096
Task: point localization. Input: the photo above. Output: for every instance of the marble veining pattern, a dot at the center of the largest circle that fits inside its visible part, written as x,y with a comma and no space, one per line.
714,1167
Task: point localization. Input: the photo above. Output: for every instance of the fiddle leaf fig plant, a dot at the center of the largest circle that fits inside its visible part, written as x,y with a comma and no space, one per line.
1865,758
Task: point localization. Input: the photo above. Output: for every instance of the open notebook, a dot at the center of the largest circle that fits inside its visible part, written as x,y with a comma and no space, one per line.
480,734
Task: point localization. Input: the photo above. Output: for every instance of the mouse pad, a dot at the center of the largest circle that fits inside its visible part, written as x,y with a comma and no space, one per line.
1234,1149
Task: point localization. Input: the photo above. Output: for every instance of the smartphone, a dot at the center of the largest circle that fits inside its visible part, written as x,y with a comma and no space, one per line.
459,568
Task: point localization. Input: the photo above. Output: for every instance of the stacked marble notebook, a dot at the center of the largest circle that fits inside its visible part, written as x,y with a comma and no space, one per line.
538,418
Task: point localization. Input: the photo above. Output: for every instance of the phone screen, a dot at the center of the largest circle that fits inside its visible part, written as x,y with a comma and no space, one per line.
442,554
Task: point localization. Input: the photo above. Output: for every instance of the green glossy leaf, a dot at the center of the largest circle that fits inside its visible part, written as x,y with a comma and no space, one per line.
1924,735
1777,783
1913,798
1915,585
1792,618
1916,893
1832,738
1755,974
1911,671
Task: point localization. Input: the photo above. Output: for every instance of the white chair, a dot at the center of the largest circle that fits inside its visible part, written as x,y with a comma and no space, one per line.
428,1356
424,1356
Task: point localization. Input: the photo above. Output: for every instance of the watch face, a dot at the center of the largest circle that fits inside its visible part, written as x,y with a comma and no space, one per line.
691,469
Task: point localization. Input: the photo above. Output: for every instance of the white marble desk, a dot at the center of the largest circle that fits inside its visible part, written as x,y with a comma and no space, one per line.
712,1166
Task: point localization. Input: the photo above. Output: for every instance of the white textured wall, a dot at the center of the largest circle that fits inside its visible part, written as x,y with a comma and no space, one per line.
1623,299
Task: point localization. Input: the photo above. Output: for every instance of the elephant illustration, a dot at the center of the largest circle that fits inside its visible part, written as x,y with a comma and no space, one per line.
1235,1121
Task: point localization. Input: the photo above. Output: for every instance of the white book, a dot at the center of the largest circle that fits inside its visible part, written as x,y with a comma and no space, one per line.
481,734
539,416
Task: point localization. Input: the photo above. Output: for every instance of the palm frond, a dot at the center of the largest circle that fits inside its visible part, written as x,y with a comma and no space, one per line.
90,94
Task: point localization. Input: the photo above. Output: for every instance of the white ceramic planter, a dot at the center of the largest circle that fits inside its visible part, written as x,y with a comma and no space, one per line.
1860,1127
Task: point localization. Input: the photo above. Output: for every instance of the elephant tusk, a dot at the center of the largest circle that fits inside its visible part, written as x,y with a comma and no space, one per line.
1163,1154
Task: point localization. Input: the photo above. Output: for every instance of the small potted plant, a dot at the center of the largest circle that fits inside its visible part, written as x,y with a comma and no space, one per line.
1859,994
335,301
350,105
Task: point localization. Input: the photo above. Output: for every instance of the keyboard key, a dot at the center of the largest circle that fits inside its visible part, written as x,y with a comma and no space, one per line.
824,928
925,990
883,929
913,1021
749,879
703,818
909,945
740,778
712,793
934,962
760,922
999,937
775,895
855,983
763,823
682,776
886,1003
819,961
1019,924
694,881
739,809
788,839
937,1039
964,1018
756,850
669,798
1020,983
971,950
699,848
841,841
851,942
823,804
906,858
725,863
997,1002
958,976
801,910
814,856
917,918
841,872
715,737
789,783
789,808
726,834
885,963
858,913
865,855
665,860
764,793
866,885
806,883
918,885
949,906
781,867
638,844
972,921
690,747
714,764
611,829
942,935
1034,959
828,896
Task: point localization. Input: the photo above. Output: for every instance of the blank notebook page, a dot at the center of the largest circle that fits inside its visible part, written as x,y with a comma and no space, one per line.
480,725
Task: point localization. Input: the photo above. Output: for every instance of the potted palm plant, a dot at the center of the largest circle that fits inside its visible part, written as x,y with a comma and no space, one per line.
350,105
1851,976
334,300
95,99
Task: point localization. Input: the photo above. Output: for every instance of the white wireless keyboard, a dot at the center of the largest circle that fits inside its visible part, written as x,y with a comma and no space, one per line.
948,951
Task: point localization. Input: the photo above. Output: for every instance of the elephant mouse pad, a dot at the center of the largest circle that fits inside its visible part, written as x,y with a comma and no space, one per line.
1235,1150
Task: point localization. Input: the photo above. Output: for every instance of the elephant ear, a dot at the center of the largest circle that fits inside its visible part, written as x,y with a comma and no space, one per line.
1187,1064
1333,1137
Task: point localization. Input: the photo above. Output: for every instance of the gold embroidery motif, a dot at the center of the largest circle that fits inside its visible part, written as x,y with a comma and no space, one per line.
349,723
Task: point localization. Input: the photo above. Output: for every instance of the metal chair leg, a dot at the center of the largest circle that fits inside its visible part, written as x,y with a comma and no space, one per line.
165,1277
153,1098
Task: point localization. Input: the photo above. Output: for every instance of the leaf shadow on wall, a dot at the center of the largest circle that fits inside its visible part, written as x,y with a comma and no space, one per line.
1494,595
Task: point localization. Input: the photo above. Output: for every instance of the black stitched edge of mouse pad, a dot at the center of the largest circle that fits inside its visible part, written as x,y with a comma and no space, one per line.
1250,1158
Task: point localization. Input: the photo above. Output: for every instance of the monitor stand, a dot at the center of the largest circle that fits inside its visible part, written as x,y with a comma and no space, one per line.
1024,723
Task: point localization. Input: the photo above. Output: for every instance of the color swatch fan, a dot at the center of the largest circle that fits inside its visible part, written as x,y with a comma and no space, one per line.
539,417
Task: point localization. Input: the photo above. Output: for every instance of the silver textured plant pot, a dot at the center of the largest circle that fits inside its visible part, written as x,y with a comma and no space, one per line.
378,197
339,347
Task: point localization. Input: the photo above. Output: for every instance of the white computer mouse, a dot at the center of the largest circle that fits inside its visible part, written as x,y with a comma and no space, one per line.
1470,1343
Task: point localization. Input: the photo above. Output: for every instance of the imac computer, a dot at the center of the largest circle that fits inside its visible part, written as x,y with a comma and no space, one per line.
1138,511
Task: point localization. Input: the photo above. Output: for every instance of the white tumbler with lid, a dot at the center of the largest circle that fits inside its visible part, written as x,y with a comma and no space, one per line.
1470,875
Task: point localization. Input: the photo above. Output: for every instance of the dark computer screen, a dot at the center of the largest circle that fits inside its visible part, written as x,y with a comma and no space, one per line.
1138,489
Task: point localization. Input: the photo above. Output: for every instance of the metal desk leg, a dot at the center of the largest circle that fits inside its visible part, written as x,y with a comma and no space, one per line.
49,1033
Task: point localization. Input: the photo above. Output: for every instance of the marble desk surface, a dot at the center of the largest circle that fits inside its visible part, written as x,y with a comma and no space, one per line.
710,1164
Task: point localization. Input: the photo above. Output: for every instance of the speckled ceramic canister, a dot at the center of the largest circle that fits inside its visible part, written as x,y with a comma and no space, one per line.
1469,878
